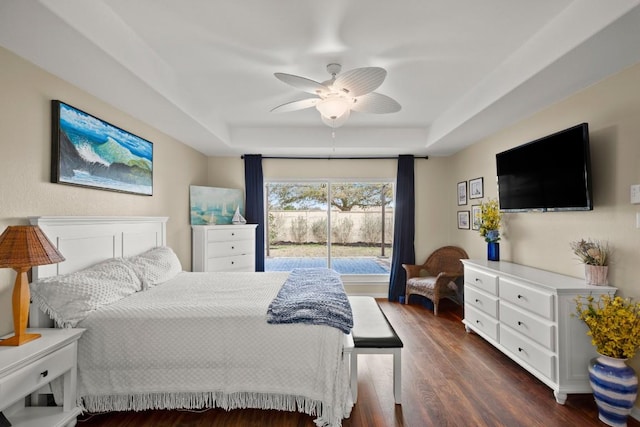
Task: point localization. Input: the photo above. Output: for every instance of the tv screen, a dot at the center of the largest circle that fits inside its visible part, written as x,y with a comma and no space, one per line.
549,174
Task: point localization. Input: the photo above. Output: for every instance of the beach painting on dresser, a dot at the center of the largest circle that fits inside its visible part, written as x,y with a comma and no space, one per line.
214,205
89,152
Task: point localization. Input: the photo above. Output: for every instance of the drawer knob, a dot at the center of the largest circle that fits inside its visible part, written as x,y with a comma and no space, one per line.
233,262
477,321
478,280
233,247
233,234
477,300
519,323
520,349
520,296
44,373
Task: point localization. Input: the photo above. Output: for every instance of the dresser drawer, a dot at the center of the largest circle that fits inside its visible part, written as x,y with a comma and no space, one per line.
39,373
534,300
481,280
232,263
222,234
230,248
480,300
540,330
480,321
526,350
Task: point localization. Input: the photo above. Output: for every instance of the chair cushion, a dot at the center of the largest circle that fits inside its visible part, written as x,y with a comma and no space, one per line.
428,283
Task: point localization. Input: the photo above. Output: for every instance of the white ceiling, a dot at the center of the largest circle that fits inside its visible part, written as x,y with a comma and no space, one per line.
202,70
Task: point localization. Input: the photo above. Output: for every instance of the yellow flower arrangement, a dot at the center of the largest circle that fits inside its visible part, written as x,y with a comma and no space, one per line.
490,217
613,322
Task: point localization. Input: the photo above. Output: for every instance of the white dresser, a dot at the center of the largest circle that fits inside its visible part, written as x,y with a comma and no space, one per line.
224,247
527,314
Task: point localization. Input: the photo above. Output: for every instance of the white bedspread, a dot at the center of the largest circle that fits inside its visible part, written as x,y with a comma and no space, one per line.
202,340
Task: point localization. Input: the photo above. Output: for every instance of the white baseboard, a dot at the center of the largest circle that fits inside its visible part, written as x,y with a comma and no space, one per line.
373,289
368,294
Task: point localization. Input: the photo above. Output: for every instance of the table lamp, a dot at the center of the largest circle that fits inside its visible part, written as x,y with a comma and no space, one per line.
22,247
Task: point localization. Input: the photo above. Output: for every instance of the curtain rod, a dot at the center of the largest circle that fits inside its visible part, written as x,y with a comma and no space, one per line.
336,158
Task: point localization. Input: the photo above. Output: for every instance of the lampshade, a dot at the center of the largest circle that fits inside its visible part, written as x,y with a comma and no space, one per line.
26,246
333,107
22,247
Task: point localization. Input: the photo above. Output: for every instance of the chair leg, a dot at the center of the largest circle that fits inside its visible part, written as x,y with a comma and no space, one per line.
435,308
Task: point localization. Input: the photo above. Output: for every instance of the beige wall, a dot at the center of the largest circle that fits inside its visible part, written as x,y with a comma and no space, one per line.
612,109
25,139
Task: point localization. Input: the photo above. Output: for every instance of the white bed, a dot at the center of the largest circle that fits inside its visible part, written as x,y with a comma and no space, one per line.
197,340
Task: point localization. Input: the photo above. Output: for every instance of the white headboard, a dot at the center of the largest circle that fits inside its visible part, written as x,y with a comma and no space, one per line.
86,240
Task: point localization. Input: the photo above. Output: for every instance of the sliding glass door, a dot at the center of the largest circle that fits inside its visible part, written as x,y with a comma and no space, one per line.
346,225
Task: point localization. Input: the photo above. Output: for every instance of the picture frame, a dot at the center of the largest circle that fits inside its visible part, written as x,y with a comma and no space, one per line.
214,205
476,188
476,212
89,152
463,220
462,193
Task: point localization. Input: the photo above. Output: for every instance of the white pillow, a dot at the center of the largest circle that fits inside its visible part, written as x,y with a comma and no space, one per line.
69,298
155,266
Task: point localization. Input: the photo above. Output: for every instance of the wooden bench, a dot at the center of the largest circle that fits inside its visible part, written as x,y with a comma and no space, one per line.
373,334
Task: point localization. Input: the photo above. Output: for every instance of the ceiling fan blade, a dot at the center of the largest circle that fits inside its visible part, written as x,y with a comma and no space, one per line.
302,83
360,81
376,103
296,105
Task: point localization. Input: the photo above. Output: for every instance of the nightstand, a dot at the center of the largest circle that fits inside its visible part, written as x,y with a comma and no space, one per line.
27,368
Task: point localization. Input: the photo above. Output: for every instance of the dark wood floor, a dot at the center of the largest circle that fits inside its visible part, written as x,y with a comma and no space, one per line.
450,378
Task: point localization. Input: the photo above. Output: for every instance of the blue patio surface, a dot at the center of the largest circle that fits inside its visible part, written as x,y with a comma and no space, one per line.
341,265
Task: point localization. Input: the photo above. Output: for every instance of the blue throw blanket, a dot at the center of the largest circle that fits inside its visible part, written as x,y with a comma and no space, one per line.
314,296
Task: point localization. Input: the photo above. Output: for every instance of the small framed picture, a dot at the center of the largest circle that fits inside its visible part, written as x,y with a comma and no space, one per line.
476,188
476,219
462,193
463,220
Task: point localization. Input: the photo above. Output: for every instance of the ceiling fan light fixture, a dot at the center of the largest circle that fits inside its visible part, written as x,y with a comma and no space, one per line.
338,96
333,107
338,121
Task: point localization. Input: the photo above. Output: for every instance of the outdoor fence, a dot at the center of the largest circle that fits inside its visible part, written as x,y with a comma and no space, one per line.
310,226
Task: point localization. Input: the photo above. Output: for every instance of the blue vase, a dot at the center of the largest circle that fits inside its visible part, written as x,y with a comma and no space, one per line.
615,387
493,251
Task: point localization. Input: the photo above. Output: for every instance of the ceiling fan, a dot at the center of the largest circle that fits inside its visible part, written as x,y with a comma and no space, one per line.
335,98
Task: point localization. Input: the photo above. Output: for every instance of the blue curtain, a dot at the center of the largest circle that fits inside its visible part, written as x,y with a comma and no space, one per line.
254,209
404,227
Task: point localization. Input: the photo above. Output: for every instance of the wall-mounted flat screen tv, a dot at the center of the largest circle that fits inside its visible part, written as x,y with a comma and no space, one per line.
549,174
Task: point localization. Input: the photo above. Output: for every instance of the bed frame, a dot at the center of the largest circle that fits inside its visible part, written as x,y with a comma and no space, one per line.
86,240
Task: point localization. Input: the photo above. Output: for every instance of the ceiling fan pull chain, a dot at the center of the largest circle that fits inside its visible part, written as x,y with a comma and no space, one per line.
333,138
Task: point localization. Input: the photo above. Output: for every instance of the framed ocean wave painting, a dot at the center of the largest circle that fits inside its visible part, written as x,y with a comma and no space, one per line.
89,152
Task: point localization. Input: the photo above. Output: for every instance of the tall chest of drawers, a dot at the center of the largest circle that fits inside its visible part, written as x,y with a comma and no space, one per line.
527,314
223,247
